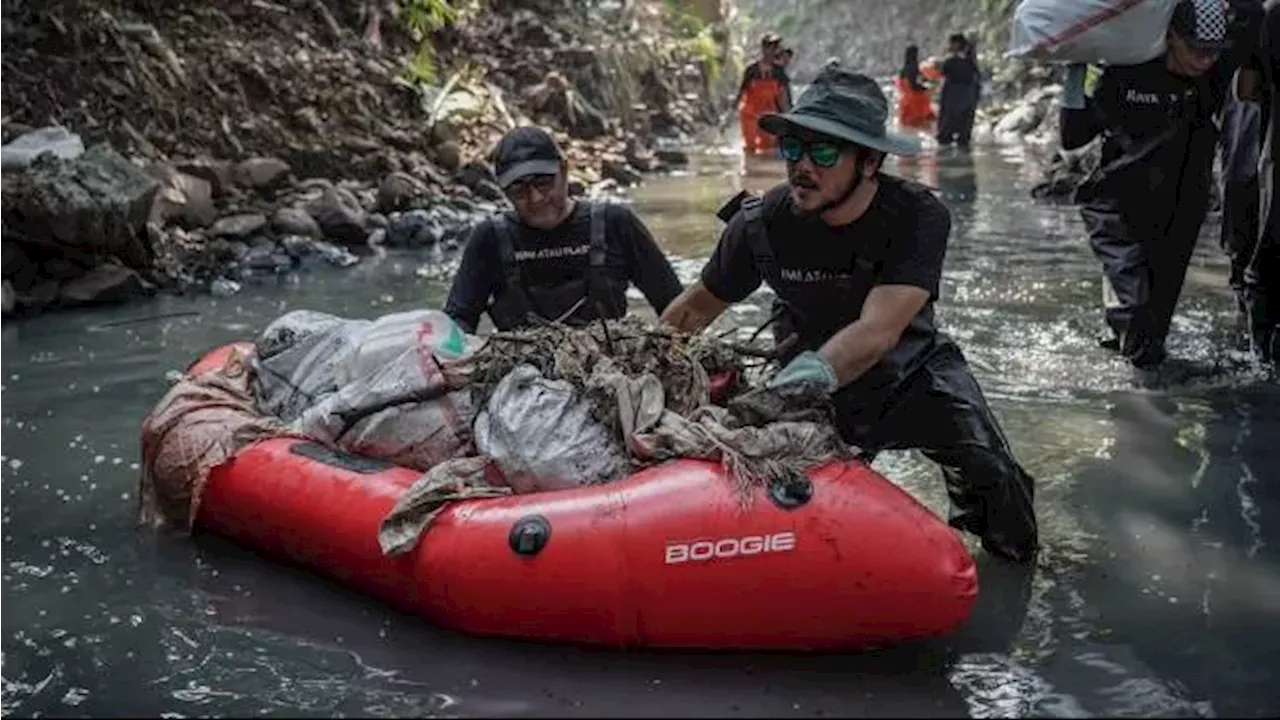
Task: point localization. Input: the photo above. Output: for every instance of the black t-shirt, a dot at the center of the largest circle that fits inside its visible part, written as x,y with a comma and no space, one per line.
554,257
905,228
959,70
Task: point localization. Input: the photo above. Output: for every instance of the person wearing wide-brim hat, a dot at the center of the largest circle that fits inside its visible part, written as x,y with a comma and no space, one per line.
855,257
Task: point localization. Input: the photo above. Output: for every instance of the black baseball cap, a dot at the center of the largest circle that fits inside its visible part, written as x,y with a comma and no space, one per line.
1201,23
525,151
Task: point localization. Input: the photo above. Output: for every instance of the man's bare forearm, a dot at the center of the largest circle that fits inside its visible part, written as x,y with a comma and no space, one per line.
857,348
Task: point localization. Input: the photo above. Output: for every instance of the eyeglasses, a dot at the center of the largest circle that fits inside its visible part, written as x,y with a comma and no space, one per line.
520,190
823,153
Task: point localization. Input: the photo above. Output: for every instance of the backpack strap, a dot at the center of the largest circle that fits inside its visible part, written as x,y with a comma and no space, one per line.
597,252
504,227
757,236
597,286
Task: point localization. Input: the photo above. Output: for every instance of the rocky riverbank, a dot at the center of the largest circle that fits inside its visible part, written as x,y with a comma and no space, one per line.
228,140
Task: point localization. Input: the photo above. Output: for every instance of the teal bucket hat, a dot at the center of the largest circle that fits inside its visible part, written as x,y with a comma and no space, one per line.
845,105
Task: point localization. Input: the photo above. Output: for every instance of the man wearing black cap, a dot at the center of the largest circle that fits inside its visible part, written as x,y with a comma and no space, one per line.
1144,205
554,258
855,257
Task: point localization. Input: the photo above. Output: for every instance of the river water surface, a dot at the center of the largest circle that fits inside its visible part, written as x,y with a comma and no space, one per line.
1159,499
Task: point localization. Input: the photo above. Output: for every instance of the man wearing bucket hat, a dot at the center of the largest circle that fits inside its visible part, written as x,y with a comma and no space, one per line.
554,258
1144,204
855,257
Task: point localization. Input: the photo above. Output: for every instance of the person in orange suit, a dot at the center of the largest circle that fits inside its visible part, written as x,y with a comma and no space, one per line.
765,89
914,108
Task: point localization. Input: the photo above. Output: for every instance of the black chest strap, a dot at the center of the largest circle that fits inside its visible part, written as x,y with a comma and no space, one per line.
595,280
757,232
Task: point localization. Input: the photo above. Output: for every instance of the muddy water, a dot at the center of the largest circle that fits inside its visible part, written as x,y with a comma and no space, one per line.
1158,592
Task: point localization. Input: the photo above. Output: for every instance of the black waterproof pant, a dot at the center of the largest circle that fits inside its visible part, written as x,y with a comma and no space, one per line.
1239,239
1262,275
1239,145
957,107
940,410
1144,272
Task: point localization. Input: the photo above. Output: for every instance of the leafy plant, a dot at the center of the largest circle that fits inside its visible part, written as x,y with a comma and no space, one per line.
422,68
687,24
706,49
423,17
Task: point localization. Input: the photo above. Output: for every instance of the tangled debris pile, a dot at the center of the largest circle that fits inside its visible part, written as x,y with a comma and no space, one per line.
682,364
560,407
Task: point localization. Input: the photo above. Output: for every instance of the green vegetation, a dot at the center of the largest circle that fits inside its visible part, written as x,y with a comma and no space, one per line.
423,17
697,37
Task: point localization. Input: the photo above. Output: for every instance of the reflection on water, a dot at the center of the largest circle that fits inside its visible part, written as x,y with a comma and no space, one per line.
1158,592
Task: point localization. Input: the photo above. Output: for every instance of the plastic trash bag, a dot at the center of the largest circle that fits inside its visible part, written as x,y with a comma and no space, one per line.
395,398
54,139
1114,32
295,359
542,435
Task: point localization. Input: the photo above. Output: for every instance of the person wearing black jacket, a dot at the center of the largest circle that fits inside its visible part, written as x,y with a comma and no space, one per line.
1260,82
958,100
1144,205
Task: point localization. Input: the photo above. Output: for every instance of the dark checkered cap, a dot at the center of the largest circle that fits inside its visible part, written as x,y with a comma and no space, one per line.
1202,23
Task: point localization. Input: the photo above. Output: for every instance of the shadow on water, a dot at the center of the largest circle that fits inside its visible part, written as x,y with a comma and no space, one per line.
388,653
1157,593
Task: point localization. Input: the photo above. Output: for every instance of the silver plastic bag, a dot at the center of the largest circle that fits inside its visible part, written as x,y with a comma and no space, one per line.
542,435
1112,32
295,360
394,400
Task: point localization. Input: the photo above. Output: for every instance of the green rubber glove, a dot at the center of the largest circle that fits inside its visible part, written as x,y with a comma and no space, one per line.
808,367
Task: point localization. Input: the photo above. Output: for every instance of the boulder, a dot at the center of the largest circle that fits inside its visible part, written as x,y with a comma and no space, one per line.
54,139
339,215
106,283
238,226
416,228
184,199
218,173
295,221
616,168
40,295
262,173
397,189
266,258
98,202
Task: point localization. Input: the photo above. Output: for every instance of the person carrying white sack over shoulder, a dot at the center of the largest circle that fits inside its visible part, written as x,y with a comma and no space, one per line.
1144,204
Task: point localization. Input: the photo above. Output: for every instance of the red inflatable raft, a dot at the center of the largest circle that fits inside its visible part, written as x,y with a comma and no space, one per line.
669,557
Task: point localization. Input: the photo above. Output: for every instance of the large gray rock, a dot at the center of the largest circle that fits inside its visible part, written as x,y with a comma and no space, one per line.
295,221
218,173
98,202
55,139
340,215
397,190
262,173
238,226
184,199
104,284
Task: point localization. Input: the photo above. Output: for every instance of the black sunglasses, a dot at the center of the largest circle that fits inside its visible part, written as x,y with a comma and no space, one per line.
520,188
823,153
